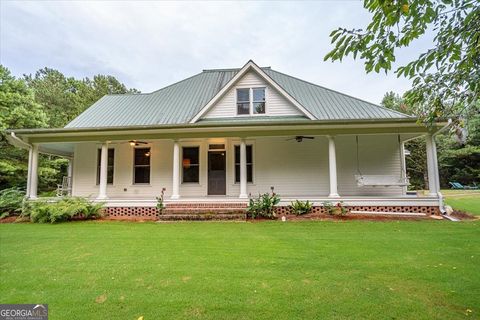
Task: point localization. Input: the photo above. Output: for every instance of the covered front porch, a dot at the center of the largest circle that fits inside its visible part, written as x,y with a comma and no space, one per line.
360,165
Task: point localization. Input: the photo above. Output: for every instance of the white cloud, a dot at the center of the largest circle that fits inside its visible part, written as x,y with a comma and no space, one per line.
148,45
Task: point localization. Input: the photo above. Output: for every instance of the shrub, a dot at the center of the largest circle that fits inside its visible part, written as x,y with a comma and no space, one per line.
65,209
263,206
338,210
160,201
11,202
301,207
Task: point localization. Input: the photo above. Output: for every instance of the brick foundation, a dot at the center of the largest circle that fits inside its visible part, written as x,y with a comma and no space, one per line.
132,213
428,210
150,213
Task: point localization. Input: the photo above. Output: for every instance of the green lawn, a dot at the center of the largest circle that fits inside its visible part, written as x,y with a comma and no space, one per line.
464,200
270,270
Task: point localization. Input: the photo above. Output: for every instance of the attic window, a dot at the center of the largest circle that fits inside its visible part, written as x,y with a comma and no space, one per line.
250,101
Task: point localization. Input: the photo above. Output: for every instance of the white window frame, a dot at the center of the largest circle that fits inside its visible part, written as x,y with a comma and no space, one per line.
141,165
250,97
198,146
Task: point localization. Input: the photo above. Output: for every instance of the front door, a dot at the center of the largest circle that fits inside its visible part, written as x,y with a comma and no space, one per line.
217,182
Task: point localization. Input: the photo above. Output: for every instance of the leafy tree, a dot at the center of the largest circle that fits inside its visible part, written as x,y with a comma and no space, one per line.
457,160
393,101
57,94
18,109
446,77
64,98
47,99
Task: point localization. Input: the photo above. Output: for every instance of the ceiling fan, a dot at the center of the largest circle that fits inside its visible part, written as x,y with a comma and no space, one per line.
300,138
134,143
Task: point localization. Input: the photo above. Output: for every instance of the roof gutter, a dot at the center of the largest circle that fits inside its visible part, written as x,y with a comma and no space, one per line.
17,142
213,125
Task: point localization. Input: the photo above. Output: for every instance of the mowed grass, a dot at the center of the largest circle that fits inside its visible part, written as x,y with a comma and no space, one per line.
268,270
463,200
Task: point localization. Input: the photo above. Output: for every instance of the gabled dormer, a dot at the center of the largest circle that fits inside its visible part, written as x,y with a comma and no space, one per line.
251,93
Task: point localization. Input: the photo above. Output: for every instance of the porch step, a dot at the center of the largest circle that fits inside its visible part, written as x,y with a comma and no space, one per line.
194,210
207,205
203,216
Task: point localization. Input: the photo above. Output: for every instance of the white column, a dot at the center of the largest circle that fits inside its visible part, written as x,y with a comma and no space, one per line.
70,168
70,175
332,168
29,172
432,166
33,172
403,163
176,171
102,190
243,170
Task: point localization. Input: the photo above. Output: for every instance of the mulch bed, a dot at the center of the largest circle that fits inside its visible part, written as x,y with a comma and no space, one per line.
10,219
462,215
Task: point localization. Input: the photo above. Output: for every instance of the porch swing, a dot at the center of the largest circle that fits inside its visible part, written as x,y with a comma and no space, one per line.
382,180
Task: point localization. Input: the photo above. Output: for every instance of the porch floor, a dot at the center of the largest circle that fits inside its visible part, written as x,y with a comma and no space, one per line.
405,200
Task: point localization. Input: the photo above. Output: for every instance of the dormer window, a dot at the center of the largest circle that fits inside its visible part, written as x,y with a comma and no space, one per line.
250,101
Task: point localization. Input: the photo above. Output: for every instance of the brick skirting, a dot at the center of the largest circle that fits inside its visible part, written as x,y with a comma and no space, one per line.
131,213
428,210
150,213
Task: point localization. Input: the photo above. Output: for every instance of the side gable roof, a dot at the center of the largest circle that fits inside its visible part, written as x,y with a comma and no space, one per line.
184,101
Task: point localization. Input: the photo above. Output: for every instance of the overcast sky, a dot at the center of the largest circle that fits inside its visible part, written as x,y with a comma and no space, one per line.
148,45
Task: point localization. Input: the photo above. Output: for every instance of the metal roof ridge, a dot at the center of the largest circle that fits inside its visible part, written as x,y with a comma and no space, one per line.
230,69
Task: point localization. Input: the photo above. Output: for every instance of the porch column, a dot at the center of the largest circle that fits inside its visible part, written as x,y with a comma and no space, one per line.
102,190
29,172
33,172
243,169
70,168
70,176
432,166
332,168
176,171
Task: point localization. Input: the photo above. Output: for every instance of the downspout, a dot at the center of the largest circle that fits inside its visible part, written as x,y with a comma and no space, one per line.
441,203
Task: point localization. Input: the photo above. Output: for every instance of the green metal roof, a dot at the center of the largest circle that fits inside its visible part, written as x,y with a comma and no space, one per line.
181,101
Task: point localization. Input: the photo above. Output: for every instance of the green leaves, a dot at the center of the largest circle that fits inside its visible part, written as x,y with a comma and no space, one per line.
446,78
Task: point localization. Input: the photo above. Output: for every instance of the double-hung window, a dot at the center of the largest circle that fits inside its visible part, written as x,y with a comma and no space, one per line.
250,101
141,166
249,164
190,164
110,165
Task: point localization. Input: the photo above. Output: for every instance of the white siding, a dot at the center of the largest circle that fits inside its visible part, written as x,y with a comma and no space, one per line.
276,104
85,161
377,155
292,168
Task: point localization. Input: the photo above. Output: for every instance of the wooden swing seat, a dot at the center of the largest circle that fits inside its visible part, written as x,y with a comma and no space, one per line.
380,180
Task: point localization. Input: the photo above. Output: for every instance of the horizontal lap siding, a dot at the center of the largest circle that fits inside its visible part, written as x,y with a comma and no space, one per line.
378,155
277,105
292,168
85,161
